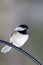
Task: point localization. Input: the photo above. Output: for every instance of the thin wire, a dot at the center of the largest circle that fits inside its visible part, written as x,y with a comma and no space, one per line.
22,51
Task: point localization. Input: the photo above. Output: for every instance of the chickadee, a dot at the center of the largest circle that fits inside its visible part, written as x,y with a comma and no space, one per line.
18,38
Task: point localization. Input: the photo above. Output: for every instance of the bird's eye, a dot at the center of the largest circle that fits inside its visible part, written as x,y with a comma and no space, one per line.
23,26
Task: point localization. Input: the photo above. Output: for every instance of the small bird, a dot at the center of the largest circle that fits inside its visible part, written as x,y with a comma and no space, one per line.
18,38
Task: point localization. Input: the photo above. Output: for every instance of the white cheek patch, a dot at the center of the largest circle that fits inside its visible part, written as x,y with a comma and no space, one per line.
19,29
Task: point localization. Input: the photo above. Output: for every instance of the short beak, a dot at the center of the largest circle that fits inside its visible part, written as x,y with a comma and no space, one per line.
28,28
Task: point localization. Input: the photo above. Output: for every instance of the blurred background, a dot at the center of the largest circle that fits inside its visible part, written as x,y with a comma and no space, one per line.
13,13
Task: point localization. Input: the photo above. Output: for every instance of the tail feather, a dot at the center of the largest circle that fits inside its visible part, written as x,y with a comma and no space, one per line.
6,49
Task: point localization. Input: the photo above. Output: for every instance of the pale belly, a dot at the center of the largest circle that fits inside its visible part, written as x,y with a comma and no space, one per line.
18,39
